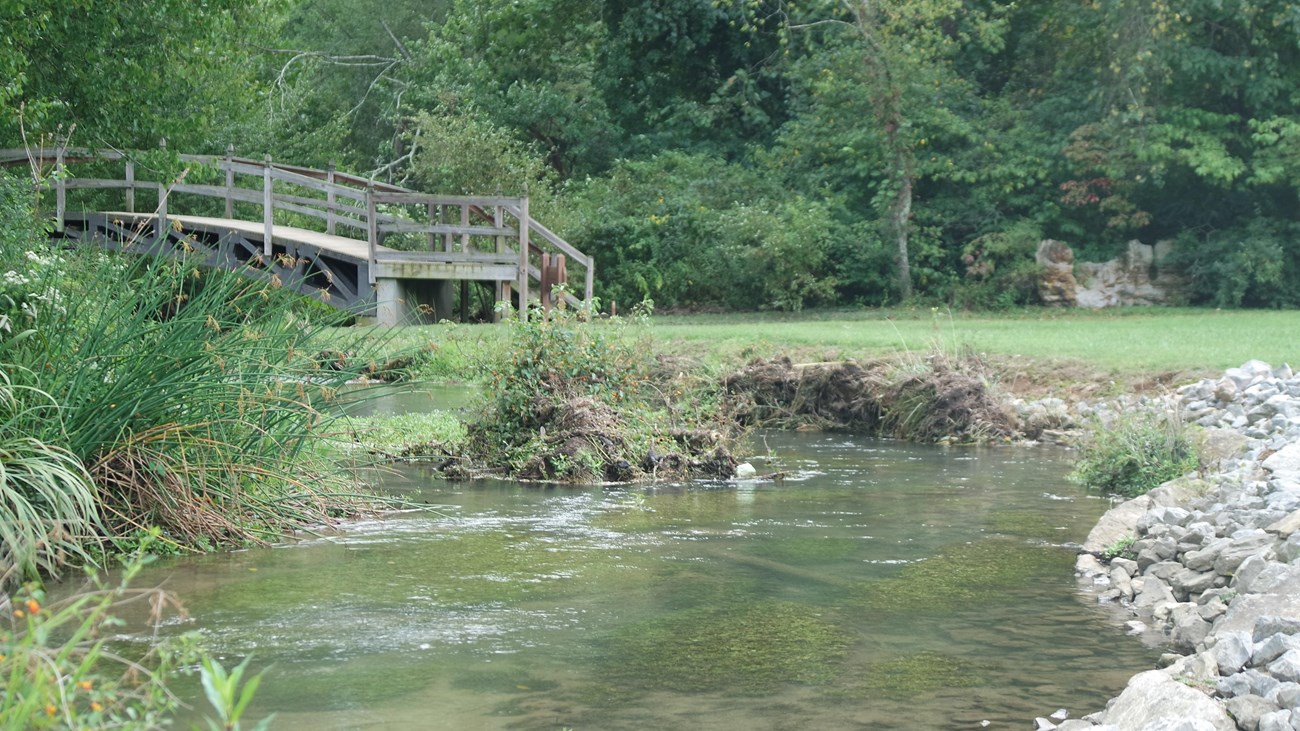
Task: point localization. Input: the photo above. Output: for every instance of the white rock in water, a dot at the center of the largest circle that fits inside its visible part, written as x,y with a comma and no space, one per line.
745,471
1061,714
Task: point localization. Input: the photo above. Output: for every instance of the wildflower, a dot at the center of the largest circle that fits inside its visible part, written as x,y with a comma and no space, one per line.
86,684
33,606
50,710
96,707
18,614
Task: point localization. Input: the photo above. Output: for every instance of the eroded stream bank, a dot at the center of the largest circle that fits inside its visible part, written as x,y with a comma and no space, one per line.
879,584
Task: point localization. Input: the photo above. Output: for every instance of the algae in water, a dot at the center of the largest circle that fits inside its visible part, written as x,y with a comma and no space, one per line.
749,649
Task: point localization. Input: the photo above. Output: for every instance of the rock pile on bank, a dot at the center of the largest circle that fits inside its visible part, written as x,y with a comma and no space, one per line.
1213,568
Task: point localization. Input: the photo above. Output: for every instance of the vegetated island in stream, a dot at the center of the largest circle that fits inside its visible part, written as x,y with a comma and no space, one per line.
576,403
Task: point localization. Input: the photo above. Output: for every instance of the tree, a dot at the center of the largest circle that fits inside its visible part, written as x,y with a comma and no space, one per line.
876,87
126,74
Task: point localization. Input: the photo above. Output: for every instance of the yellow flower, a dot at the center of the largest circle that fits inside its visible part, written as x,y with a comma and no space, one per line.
18,613
50,710
33,606
94,706
86,684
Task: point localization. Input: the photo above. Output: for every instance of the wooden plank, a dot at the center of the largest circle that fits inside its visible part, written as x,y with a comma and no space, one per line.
130,182
330,194
98,183
60,191
438,228
558,242
372,232
230,183
424,199
476,271
489,257
245,195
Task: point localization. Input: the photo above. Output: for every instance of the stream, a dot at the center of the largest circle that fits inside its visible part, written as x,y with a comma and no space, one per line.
879,585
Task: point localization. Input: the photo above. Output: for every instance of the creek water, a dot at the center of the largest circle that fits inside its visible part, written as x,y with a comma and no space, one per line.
879,585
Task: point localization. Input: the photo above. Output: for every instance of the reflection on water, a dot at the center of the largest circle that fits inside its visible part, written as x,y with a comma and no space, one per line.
404,398
880,586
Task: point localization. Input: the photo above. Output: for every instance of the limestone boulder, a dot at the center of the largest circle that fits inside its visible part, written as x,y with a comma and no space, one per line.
1057,285
1154,700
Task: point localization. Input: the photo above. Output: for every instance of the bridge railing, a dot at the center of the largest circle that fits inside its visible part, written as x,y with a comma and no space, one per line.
453,228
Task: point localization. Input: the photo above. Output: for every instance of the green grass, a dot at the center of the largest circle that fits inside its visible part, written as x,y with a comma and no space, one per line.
1125,343
406,435
1131,341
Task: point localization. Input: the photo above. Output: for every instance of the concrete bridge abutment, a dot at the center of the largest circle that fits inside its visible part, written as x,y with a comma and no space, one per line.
413,301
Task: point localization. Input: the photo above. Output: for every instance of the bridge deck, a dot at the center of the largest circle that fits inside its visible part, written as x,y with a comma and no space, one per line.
338,245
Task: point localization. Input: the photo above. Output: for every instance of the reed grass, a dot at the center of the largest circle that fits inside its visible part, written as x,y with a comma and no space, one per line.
191,397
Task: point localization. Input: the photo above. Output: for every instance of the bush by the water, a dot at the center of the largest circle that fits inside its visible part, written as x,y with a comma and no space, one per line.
577,401
1135,452
58,671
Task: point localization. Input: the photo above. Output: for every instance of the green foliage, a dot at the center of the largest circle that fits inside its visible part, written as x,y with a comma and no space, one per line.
695,231
58,672
1135,452
1000,268
553,362
229,694
48,510
465,153
408,436
577,401
1253,266
126,75
1122,548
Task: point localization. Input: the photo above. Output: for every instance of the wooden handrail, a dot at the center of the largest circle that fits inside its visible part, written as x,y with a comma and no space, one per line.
480,216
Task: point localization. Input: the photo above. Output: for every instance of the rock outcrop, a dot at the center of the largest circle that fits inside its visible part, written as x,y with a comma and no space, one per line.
1139,276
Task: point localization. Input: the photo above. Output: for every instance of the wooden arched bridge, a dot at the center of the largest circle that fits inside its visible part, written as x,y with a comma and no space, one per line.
375,249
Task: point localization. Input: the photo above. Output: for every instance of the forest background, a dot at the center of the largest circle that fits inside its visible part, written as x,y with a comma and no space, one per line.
737,154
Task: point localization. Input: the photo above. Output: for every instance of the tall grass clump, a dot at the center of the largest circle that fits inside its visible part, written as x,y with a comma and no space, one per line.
190,397
48,514
1134,452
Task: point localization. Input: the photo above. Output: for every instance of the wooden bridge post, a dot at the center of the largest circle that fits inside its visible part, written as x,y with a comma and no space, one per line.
130,185
523,258
60,188
431,237
268,209
372,227
545,284
164,189
329,198
590,285
230,180
502,289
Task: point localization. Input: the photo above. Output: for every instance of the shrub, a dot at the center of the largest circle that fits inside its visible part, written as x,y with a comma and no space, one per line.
579,402
1000,269
1253,265
697,231
1135,452
57,671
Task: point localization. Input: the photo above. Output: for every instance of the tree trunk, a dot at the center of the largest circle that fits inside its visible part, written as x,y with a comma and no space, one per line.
900,215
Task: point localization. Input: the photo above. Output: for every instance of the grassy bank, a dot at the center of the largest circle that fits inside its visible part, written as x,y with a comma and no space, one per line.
1127,344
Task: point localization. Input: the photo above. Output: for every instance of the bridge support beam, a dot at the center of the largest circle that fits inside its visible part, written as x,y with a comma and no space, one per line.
413,301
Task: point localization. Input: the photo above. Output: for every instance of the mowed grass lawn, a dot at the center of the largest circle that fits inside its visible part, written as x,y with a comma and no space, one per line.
1129,341
1132,342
